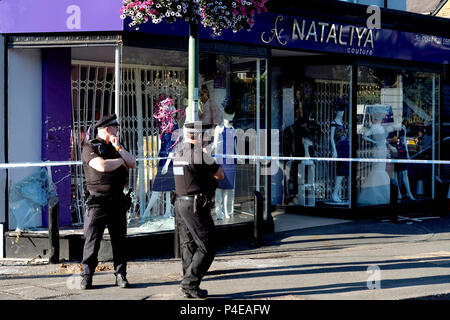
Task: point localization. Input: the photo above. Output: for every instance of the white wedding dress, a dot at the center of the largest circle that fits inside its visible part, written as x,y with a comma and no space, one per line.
376,188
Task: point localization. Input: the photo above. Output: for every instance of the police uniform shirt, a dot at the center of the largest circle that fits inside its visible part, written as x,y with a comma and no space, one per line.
191,178
115,180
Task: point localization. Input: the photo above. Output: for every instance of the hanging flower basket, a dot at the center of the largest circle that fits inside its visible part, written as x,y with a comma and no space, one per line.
215,14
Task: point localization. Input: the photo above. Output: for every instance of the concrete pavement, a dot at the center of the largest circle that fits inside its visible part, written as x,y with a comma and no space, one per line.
317,259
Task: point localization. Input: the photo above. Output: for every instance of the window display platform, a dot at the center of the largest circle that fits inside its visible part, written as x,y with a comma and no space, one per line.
162,223
404,207
34,244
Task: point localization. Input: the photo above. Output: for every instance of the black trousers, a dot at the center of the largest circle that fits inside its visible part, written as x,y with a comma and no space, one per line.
197,241
96,219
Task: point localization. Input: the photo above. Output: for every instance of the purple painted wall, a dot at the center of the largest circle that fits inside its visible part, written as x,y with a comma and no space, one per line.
29,16
56,124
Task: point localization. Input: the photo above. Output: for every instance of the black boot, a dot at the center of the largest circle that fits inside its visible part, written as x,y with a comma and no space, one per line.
194,293
86,282
122,281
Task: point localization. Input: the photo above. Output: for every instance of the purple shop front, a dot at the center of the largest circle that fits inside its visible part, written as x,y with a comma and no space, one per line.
25,16
270,30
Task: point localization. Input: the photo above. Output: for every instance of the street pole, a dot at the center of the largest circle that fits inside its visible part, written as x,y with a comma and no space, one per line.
192,108
117,59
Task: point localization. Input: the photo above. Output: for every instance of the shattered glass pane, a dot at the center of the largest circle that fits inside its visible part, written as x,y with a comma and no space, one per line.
28,196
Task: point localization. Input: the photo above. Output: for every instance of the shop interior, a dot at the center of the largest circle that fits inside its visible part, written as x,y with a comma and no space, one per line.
396,121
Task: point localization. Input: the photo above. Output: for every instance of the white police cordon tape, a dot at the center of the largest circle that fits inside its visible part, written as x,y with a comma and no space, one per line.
332,159
12,165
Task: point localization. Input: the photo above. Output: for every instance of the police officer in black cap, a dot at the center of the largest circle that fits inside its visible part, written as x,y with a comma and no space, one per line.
105,165
195,173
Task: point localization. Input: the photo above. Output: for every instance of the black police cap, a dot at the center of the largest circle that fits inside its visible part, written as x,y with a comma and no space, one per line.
105,121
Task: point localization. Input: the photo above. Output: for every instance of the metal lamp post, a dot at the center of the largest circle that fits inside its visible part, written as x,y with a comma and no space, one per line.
194,60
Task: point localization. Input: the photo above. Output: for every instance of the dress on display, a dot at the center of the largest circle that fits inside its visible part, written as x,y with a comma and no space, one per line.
293,147
165,182
228,165
376,188
342,148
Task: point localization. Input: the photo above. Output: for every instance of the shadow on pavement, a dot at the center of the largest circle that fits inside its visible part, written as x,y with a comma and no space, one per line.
305,269
334,288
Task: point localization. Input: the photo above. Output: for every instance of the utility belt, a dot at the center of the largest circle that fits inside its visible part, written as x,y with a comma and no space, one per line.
105,199
201,201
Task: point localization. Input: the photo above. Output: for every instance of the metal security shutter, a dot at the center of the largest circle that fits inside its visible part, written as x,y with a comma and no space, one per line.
93,96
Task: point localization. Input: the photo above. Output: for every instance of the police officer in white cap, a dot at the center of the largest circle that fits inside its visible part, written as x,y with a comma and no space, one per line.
195,173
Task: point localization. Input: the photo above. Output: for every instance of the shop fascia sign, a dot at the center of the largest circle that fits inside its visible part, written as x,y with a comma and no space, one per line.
357,40
25,16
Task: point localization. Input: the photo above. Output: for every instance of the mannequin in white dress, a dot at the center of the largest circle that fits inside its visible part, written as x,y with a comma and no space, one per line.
376,188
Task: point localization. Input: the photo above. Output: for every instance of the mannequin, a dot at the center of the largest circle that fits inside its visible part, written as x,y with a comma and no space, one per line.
293,147
164,183
340,148
225,134
225,143
306,175
376,188
209,112
401,169
307,143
